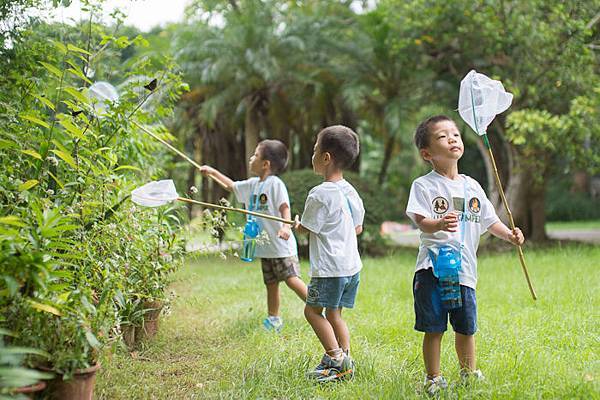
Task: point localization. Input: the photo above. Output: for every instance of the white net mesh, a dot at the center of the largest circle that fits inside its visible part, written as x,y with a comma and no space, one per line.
101,94
155,193
480,100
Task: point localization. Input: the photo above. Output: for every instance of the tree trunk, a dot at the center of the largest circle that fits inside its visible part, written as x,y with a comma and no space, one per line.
251,129
387,156
525,194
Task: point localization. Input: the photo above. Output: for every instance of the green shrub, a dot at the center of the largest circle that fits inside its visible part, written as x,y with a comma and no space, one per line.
563,205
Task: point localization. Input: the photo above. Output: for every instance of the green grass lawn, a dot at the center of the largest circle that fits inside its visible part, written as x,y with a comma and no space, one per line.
573,225
212,345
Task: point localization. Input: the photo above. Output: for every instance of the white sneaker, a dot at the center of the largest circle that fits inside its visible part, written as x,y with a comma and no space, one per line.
467,376
273,324
433,386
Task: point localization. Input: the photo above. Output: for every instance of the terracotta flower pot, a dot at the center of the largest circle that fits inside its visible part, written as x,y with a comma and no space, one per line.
80,387
31,390
149,327
128,332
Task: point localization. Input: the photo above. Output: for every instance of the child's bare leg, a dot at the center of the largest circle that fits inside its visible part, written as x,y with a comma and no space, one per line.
273,298
465,350
322,327
298,286
334,316
432,345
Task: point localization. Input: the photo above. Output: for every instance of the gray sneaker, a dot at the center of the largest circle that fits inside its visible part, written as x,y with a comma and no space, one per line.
433,386
467,377
330,370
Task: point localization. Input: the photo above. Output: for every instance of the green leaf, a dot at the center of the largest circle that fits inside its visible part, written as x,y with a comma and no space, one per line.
44,307
72,128
92,340
46,102
127,167
35,120
6,144
12,220
62,186
71,47
61,47
77,94
28,185
32,153
79,74
52,69
66,157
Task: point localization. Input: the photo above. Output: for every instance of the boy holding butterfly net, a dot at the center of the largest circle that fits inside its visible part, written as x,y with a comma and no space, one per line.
267,194
452,211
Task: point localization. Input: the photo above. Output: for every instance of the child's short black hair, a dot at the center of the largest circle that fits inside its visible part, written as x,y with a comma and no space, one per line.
341,142
422,132
276,153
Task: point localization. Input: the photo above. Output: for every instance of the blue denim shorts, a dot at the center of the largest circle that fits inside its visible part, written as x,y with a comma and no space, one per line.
432,317
333,292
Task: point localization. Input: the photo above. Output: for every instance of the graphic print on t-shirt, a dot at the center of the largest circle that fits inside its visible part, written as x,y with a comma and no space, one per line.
474,205
261,203
458,203
440,205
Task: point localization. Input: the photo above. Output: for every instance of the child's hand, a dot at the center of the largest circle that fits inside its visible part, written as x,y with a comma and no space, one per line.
449,223
516,237
206,170
285,232
296,222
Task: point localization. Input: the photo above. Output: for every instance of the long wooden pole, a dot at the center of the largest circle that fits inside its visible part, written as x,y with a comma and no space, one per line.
240,210
170,147
194,163
510,217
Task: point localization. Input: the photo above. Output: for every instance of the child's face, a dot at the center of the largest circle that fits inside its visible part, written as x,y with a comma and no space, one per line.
319,159
257,164
445,143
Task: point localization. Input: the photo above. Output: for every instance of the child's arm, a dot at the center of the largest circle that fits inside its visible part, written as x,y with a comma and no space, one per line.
298,227
358,229
223,180
503,232
429,225
285,231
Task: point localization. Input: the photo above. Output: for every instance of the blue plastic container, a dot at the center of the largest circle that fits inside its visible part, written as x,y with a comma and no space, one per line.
251,232
445,267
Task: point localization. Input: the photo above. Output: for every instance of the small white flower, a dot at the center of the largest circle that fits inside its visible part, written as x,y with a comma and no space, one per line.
49,192
193,189
52,160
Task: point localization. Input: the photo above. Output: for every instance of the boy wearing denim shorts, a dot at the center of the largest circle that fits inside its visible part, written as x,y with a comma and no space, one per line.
333,216
267,194
452,211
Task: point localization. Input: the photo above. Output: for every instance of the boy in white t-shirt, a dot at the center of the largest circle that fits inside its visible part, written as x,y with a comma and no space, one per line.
333,216
267,194
452,211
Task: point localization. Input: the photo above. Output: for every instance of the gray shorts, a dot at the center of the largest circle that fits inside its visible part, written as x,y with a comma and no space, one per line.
279,269
337,292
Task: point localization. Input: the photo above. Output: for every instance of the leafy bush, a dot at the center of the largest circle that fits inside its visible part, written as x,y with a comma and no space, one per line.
77,259
564,205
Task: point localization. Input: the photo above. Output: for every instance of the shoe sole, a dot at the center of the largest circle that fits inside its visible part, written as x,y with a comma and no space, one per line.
339,376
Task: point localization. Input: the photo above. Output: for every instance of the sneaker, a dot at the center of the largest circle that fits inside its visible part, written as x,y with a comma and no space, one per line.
467,376
330,370
273,324
435,385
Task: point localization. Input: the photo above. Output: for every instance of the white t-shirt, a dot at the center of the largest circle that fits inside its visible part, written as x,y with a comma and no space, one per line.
433,196
273,194
331,213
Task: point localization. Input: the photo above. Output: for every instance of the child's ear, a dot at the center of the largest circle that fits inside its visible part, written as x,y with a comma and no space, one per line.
327,157
425,155
266,164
